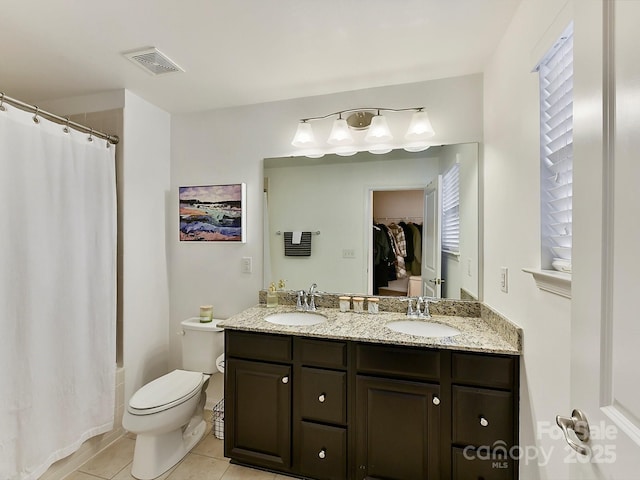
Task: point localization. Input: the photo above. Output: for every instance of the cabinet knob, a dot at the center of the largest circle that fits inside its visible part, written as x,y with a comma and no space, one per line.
322,454
285,379
322,398
484,422
436,400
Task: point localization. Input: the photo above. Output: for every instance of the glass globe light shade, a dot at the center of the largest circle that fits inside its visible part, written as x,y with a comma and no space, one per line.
304,137
420,127
378,131
340,134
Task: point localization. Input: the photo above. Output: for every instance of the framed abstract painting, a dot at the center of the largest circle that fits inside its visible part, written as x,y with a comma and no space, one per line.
213,213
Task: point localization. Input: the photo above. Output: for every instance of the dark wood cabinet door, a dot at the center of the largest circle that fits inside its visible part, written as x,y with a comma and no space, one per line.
397,429
258,413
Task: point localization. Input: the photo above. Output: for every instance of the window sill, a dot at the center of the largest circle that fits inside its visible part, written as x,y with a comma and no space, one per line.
551,281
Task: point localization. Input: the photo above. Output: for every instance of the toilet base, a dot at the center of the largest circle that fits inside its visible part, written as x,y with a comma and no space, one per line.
155,454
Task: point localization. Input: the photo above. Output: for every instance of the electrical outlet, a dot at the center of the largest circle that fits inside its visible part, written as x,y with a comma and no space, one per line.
247,264
504,279
348,253
468,267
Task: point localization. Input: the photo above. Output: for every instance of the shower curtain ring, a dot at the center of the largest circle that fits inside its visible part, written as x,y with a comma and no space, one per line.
2,107
66,127
35,117
90,139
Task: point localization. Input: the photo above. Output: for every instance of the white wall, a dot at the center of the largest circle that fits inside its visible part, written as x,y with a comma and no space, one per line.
228,146
146,183
512,226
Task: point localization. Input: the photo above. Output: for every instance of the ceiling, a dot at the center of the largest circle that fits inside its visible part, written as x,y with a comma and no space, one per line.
239,52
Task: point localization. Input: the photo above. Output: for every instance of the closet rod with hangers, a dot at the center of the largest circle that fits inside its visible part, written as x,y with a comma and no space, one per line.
378,219
113,139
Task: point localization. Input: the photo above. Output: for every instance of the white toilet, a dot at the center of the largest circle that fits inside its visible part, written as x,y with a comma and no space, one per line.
167,413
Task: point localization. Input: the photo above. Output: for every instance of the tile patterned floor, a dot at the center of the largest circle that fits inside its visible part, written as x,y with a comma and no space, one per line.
206,461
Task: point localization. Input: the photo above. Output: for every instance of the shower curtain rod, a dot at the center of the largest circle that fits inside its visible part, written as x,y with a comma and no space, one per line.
113,139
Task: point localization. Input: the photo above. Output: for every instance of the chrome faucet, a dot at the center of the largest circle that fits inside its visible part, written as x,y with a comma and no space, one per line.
305,301
422,307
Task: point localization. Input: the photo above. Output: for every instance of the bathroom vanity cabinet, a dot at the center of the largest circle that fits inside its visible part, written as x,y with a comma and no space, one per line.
329,409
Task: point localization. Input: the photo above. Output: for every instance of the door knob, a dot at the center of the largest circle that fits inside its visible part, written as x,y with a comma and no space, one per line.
322,398
285,379
580,426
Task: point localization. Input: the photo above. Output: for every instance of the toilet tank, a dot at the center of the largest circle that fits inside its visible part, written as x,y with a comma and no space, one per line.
202,343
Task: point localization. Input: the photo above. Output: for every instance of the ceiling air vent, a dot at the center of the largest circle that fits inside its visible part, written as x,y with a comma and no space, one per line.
153,61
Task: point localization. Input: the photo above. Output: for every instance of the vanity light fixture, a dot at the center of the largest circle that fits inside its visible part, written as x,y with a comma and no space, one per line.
364,129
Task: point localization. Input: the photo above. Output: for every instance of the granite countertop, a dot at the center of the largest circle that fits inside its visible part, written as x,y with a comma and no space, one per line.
478,334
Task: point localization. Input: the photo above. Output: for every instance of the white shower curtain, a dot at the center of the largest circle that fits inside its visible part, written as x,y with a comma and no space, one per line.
57,292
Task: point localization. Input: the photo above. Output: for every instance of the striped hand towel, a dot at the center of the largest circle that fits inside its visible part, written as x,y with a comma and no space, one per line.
303,249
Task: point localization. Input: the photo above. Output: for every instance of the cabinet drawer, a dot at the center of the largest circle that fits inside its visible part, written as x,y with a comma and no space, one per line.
467,466
485,370
258,346
320,353
403,362
323,452
482,417
323,395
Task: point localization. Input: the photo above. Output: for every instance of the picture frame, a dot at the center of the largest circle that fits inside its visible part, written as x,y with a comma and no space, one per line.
213,213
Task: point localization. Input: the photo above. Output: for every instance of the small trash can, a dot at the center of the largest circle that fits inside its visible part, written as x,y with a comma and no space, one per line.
218,420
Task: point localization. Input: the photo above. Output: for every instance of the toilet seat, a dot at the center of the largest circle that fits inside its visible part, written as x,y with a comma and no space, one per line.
166,392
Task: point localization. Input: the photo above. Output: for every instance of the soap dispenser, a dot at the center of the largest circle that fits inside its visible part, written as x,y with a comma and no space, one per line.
272,296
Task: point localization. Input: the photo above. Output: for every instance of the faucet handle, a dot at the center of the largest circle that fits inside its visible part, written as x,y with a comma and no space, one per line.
300,294
410,311
426,300
312,301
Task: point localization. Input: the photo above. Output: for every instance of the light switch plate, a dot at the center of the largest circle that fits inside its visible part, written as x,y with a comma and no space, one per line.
504,279
247,264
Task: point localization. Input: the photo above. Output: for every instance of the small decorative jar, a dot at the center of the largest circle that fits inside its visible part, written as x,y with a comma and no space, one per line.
358,304
372,304
206,313
345,304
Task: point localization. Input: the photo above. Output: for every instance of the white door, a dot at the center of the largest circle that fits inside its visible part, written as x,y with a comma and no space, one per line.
605,328
431,257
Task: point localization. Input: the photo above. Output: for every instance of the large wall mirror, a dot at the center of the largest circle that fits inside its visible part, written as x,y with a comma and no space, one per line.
343,203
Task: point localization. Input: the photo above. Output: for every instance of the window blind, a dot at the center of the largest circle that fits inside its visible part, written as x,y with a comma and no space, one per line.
556,128
451,210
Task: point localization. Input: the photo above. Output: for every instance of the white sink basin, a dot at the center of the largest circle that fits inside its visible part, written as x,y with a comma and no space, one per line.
422,328
296,318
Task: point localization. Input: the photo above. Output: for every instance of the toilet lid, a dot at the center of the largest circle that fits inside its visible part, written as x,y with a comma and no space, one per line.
167,391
